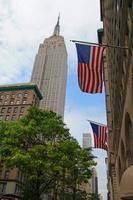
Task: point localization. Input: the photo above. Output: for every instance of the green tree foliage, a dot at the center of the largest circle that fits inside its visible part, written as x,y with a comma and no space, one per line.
93,196
40,146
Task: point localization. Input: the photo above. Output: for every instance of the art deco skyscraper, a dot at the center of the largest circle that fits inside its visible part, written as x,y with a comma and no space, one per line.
50,72
87,140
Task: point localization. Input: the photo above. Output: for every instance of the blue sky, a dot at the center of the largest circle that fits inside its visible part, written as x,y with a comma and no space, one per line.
24,25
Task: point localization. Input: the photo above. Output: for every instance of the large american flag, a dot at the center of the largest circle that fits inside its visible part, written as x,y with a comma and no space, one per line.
90,68
100,135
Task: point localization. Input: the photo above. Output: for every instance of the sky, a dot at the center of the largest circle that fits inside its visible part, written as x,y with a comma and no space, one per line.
23,26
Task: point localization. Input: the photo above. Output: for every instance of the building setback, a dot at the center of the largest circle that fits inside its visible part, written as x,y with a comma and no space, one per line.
87,140
50,72
117,17
14,101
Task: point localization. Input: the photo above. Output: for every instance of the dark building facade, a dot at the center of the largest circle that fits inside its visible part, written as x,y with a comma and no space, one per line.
14,102
117,17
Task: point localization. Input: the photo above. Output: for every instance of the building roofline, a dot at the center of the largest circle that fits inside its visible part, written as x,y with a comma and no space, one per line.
21,86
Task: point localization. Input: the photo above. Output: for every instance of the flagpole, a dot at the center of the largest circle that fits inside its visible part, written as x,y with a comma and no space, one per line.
97,44
96,123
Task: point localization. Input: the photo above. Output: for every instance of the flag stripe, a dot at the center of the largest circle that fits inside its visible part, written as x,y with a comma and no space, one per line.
100,136
90,68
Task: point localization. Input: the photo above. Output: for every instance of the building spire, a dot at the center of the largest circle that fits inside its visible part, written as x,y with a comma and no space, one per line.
57,28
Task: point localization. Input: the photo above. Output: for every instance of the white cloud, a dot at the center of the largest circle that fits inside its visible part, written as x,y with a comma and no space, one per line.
24,24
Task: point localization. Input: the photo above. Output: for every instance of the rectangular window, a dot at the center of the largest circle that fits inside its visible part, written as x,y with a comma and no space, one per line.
13,117
13,95
15,110
3,187
17,189
18,102
1,117
2,110
6,176
25,94
7,96
19,95
9,109
1,96
11,102
20,116
7,117
24,102
22,110
5,102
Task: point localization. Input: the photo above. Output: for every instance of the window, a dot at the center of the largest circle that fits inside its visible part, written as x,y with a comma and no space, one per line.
130,4
5,102
1,96
3,187
12,102
9,109
13,95
19,95
13,117
2,110
17,189
1,117
7,96
20,116
15,110
7,172
0,173
18,102
7,117
25,94
22,110
24,102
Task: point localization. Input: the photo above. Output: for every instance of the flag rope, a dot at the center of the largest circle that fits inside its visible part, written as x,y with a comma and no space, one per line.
104,45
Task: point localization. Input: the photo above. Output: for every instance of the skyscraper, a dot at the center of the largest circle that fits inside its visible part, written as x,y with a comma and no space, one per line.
50,72
94,181
87,141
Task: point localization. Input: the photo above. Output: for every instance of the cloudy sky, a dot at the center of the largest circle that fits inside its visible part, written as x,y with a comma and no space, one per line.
26,23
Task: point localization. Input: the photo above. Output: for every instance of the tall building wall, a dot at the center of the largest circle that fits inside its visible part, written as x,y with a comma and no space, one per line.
117,17
50,72
94,181
87,140
15,99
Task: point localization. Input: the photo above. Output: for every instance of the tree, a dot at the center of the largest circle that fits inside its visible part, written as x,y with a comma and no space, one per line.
93,196
40,146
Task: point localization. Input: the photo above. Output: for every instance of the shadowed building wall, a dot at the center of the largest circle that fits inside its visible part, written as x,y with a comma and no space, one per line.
15,99
117,17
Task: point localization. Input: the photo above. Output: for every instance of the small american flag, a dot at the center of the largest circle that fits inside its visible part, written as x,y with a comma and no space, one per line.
90,68
100,135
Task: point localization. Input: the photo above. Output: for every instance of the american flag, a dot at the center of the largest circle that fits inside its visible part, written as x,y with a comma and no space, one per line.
90,68
100,135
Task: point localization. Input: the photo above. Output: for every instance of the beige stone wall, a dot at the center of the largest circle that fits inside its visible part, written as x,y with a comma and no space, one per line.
117,19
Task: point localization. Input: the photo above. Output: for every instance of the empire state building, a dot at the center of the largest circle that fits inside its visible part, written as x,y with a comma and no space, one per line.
50,72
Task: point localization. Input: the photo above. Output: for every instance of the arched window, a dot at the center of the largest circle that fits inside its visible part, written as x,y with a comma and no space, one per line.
129,138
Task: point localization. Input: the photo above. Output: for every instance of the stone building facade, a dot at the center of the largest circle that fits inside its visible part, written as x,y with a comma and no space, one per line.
14,101
50,72
117,17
